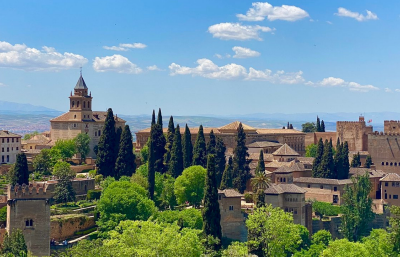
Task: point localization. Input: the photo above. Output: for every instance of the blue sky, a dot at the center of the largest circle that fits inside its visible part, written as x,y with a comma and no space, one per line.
203,57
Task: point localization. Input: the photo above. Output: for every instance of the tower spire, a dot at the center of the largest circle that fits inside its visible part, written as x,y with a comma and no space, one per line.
80,68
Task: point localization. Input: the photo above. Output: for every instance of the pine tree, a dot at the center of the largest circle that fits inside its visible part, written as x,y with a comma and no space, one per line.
338,159
170,140
318,125
211,213
125,165
226,181
176,161
19,174
261,164
322,126
368,162
318,159
199,149
211,144
187,148
345,159
241,170
220,159
106,155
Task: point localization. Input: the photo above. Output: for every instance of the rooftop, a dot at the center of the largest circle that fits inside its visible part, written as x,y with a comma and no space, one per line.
326,181
235,125
391,177
230,193
276,189
262,144
6,133
372,173
96,117
81,83
285,150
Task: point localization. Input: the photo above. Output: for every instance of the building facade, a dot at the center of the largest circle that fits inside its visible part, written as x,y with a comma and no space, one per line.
390,188
10,146
81,118
355,133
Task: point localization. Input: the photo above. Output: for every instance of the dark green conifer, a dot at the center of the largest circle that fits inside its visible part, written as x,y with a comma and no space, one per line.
176,161
322,126
125,165
344,173
327,166
220,159
291,126
261,164
187,148
151,162
338,159
159,143
118,133
288,125
170,140
19,174
241,170
318,159
368,162
227,176
356,161
211,144
159,119
199,149
153,118
318,125
211,213
106,155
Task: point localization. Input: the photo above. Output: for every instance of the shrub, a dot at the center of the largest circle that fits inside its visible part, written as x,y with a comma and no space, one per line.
187,218
325,209
92,173
248,197
81,176
93,195
3,214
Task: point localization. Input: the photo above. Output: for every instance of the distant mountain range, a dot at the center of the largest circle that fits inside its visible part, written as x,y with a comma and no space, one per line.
23,118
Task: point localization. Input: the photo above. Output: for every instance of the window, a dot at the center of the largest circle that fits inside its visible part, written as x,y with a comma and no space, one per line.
17,139
385,196
383,163
12,140
16,148
395,196
73,103
335,199
2,149
386,184
30,147
321,186
309,186
77,104
95,133
74,125
335,189
8,158
88,104
99,133
29,223
8,149
84,104
284,179
2,140
391,164
231,207
395,164
2,158
387,163
12,149
8,140
295,211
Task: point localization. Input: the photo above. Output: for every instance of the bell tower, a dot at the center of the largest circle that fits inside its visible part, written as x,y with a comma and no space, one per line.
81,102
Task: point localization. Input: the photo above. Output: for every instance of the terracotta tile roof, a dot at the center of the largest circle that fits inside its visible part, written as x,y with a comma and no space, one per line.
193,131
276,189
291,167
96,117
37,139
6,133
276,164
308,160
261,144
326,181
372,173
391,177
285,150
230,193
235,125
256,156
279,131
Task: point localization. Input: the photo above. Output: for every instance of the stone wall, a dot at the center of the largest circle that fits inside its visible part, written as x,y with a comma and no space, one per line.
65,226
384,149
391,126
313,138
355,133
81,168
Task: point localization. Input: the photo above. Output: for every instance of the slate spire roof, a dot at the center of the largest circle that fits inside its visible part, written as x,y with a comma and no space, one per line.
81,83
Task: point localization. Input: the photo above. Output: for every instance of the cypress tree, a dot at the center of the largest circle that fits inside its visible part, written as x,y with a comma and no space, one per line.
125,165
318,125
106,155
211,144
327,166
227,176
187,148
322,126
211,213
199,149
118,134
151,162
159,142
261,164
368,162
153,118
338,160
345,159
288,126
170,140
159,119
291,126
19,174
176,161
220,159
356,162
318,159
241,170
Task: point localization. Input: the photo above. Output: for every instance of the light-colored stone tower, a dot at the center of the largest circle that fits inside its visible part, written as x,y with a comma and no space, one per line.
81,101
28,209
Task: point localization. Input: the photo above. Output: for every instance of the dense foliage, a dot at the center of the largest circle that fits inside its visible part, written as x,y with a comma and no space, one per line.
189,187
106,155
241,169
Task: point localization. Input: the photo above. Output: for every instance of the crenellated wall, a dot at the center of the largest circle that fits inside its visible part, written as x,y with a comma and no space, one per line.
391,126
355,133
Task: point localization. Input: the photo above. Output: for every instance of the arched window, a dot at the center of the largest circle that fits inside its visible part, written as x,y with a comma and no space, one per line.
88,104
84,104
73,103
383,163
99,133
77,104
387,163
391,164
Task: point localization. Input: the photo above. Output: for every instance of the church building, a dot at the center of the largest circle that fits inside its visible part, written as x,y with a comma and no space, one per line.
81,118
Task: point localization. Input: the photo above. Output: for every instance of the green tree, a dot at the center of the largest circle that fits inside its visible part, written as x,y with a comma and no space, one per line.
189,187
368,162
261,164
188,218
176,161
187,148
309,127
107,155
395,227
318,125
211,144
118,134
338,159
357,208
63,192
123,201
158,140
170,140
226,181
43,162
30,135
211,212
272,232
322,126
125,164
259,183
144,154
199,150
241,168
14,244
379,244
343,173
318,159
19,174
82,141
63,149
326,168
344,248
311,150
220,159
356,161
322,237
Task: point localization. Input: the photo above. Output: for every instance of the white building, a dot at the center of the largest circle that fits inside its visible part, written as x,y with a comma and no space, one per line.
10,146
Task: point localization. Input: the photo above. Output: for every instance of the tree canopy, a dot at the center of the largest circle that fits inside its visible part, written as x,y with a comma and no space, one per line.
82,141
189,187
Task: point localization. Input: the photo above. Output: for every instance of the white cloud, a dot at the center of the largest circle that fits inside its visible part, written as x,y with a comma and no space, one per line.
331,81
237,31
279,77
218,56
260,11
388,90
3,85
355,15
153,68
48,59
329,22
115,63
125,47
338,82
242,52
397,90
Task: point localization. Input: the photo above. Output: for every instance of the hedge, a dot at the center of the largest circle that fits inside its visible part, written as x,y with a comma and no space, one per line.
93,194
